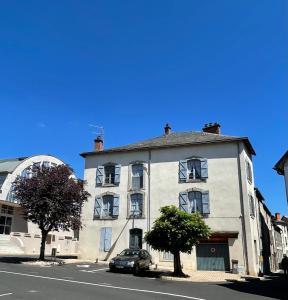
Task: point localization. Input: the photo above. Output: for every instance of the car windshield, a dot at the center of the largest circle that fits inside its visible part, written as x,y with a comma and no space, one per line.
129,252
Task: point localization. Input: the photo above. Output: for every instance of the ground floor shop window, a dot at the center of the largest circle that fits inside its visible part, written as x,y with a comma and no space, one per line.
5,225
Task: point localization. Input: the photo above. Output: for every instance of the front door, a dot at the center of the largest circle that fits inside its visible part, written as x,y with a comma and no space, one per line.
5,224
135,238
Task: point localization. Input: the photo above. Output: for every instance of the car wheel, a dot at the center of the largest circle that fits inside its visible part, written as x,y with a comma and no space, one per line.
111,269
136,270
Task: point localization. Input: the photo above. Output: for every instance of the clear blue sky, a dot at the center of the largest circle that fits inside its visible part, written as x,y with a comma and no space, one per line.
132,66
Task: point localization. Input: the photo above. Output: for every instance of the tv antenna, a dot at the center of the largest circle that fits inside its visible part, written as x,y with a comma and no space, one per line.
98,130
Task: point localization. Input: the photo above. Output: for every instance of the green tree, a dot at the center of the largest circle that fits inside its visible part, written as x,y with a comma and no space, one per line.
51,198
177,231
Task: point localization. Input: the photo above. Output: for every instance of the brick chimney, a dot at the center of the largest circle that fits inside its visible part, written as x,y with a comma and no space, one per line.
278,217
167,129
98,143
212,128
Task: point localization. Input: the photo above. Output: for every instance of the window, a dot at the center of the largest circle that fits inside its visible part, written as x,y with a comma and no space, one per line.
192,201
6,209
11,197
105,239
5,225
252,206
136,206
137,176
46,164
26,173
249,171
2,179
195,202
168,256
108,175
106,207
193,169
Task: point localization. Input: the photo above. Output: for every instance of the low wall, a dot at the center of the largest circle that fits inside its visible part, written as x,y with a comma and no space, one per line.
30,243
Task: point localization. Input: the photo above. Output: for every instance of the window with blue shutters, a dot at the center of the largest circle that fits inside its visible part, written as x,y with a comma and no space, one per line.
193,169
195,201
136,205
106,207
108,174
105,239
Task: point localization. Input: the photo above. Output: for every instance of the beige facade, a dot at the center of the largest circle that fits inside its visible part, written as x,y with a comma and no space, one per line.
17,236
228,185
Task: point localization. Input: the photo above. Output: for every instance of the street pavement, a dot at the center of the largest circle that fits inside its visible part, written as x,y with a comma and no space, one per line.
19,281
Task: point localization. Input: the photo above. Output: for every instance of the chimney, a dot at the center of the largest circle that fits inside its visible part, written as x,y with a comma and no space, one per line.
278,217
212,128
98,143
167,129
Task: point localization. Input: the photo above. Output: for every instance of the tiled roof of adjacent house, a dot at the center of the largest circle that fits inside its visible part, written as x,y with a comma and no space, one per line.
176,139
279,167
9,165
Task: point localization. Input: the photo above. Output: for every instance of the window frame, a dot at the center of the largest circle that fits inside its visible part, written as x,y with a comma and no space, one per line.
141,187
109,165
187,173
129,202
106,217
249,172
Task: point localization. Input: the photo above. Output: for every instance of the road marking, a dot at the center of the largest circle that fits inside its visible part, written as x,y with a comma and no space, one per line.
6,294
103,285
92,271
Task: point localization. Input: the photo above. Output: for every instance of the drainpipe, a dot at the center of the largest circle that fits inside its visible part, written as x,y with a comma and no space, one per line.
148,195
244,237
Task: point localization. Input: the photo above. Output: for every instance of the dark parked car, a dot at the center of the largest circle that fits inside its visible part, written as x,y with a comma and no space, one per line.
131,259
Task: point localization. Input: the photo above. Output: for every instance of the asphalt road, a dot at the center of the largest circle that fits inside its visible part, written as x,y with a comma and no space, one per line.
18,281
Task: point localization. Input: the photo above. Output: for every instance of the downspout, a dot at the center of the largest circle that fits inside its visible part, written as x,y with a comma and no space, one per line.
244,237
148,194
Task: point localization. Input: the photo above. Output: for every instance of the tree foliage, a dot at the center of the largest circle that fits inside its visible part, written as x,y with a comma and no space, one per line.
177,231
52,198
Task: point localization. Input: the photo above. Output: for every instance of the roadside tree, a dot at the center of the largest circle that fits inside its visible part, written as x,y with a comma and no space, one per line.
177,231
51,198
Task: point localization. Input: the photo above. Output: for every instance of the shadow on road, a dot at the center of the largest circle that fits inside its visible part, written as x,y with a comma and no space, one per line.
147,274
276,287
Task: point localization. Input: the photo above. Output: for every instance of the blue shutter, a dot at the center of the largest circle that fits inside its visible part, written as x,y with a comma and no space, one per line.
107,241
205,203
116,206
117,174
102,238
97,207
99,175
204,168
183,170
183,201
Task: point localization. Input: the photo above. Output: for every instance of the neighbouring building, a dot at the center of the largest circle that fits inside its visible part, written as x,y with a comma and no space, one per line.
282,169
202,171
17,235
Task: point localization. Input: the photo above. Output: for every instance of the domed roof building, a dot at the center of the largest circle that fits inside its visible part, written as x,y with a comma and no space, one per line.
17,235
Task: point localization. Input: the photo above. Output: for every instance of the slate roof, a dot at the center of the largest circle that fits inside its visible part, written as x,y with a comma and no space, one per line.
176,139
279,167
9,165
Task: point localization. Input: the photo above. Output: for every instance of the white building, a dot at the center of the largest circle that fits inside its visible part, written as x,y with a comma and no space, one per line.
204,171
17,236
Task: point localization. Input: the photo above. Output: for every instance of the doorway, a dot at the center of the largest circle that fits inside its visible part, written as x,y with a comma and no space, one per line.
135,241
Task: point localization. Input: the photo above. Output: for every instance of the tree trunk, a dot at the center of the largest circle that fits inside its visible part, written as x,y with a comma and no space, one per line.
43,243
177,265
